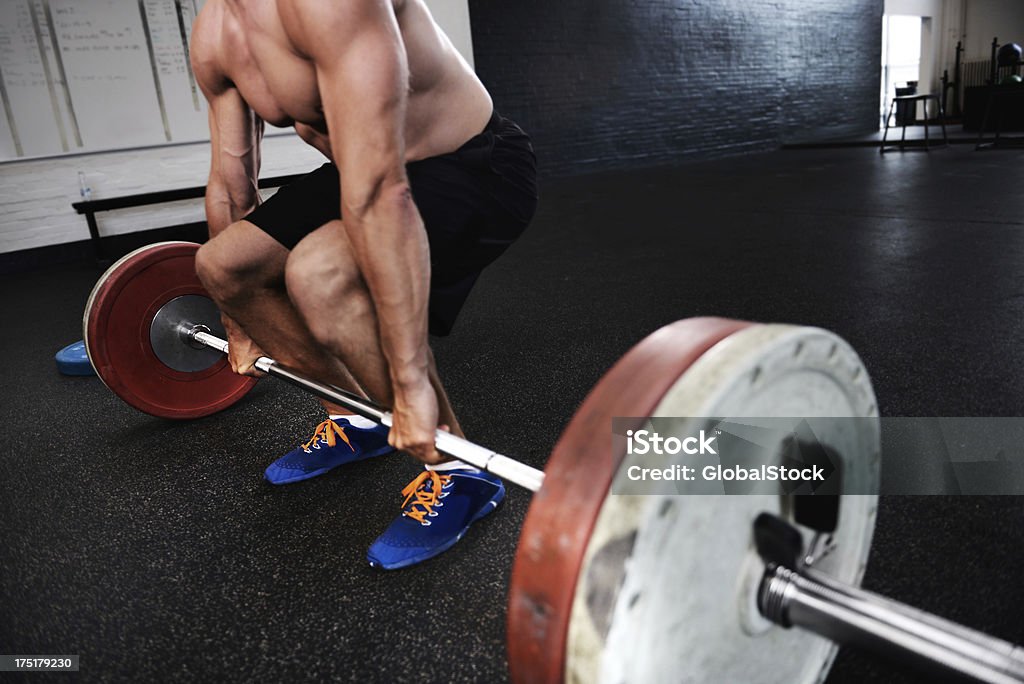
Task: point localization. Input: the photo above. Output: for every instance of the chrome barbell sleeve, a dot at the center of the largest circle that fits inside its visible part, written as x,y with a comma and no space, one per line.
850,615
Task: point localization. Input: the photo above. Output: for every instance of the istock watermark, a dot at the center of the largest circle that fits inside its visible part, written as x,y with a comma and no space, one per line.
818,455
645,441
763,473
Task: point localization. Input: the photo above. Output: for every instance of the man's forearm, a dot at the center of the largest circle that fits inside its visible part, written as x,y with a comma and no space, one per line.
391,249
222,209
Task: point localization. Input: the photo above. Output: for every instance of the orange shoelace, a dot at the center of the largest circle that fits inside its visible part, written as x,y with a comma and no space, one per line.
325,432
426,499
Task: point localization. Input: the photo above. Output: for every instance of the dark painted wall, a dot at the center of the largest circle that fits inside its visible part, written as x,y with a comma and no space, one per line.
606,84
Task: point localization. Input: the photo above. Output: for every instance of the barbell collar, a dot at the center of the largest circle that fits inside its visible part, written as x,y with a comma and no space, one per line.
850,615
462,449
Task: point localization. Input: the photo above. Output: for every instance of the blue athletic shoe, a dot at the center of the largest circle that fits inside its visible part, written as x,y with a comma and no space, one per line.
438,509
333,444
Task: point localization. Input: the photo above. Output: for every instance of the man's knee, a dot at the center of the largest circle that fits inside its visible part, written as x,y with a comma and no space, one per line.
327,289
231,267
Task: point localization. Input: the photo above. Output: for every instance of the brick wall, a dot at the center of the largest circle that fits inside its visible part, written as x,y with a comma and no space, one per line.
600,84
629,83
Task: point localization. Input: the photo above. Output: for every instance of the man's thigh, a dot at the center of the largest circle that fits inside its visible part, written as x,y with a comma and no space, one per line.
246,254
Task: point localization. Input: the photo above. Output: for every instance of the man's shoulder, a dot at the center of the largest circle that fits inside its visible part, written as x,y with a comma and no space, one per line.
333,7
317,11
208,33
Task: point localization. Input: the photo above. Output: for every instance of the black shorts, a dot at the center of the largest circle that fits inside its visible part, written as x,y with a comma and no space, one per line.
474,201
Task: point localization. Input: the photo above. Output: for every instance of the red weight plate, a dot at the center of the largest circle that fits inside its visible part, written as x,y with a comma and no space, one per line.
576,482
117,328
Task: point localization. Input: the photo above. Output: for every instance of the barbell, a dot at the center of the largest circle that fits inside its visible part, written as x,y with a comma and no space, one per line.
672,585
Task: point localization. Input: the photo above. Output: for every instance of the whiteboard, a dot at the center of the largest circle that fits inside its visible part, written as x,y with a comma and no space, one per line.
96,75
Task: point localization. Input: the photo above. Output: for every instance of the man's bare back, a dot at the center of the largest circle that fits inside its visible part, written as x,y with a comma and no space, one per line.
257,48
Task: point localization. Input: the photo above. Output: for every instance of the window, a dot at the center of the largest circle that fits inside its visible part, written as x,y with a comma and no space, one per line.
901,56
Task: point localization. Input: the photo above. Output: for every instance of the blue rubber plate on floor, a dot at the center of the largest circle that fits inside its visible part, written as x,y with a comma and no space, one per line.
73,360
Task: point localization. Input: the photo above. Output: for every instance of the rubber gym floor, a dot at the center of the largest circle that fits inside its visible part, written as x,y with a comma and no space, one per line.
155,550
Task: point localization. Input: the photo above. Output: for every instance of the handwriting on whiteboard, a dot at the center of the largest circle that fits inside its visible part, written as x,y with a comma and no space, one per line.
107,74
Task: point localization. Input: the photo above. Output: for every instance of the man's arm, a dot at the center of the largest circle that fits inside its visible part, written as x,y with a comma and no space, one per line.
235,136
231,191
363,80
235,131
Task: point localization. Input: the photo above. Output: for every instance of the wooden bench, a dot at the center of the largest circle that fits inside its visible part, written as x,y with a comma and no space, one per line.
90,208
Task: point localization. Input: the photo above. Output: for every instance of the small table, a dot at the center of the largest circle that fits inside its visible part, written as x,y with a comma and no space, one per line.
912,100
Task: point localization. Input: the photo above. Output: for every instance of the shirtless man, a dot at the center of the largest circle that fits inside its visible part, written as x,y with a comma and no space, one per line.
342,273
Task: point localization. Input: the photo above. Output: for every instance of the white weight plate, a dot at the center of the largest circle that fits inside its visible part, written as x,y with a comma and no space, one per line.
667,589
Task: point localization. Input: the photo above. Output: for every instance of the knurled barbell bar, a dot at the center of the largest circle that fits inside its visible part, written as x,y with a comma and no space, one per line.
619,588
504,467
